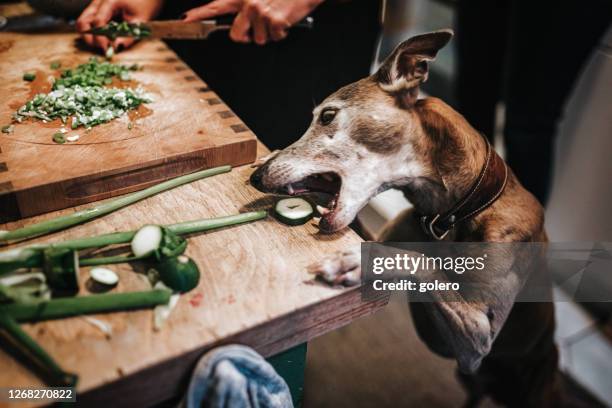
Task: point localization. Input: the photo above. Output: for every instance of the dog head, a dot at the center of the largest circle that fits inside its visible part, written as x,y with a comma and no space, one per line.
362,138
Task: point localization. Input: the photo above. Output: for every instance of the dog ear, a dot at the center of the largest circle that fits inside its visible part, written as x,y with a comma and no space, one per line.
406,67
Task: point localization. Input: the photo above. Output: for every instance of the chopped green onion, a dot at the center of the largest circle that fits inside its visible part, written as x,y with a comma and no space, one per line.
65,221
8,128
80,95
93,73
29,76
162,312
55,65
25,287
110,52
147,240
115,29
86,105
59,138
104,276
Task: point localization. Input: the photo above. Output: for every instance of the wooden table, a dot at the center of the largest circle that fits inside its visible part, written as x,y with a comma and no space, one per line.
254,290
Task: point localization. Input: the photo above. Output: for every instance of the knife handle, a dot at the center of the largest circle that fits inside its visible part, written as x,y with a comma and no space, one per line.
228,20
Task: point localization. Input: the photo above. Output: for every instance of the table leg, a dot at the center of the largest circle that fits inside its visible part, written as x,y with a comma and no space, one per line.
290,364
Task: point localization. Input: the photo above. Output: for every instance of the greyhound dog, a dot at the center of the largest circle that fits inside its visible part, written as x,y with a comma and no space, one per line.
376,134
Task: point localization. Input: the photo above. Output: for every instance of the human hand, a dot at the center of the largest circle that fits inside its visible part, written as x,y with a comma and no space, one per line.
100,12
266,19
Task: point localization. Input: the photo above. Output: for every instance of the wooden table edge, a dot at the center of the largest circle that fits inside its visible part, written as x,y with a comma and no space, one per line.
313,320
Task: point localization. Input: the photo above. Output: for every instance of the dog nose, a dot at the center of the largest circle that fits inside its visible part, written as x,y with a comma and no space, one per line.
255,178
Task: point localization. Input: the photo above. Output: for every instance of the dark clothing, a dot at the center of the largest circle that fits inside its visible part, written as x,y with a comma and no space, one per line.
529,55
274,88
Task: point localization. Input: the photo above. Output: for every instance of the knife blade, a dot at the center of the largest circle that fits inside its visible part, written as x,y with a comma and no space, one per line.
194,30
178,29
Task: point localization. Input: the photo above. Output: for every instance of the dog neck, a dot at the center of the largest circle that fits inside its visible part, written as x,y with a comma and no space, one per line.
456,156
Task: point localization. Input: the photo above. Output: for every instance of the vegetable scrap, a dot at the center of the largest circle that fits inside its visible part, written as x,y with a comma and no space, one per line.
59,138
162,312
110,52
29,76
104,276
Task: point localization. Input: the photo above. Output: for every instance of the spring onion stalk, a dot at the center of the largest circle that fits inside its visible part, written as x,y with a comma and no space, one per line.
108,260
59,223
32,256
18,258
183,228
192,227
74,306
61,268
39,357
150,242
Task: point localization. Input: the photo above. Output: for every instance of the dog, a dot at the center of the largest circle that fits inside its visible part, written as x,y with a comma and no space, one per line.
376,134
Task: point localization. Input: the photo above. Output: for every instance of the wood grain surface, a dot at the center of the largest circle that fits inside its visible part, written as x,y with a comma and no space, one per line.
186,128
254,288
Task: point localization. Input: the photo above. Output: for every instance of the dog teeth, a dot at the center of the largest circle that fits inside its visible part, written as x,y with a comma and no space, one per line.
290,189
322,210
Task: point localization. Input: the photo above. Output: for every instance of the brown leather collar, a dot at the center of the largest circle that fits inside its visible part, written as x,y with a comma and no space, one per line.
486,189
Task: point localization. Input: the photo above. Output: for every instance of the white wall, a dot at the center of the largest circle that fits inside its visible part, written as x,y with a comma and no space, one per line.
580,206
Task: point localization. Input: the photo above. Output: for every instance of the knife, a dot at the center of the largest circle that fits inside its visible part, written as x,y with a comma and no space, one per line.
179,29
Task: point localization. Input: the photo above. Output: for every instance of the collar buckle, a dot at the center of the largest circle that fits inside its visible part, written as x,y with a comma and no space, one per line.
430,229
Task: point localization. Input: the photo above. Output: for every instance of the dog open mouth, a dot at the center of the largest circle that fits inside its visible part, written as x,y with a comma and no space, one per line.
328,183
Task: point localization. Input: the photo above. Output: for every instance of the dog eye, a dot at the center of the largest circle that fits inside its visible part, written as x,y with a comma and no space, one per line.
327,116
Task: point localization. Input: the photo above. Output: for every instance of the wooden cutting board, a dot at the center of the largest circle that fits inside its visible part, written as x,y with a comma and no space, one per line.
186,128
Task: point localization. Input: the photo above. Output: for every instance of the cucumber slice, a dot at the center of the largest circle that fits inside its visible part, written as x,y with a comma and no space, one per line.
104,276
293,211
